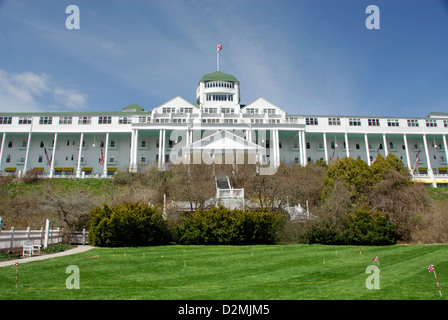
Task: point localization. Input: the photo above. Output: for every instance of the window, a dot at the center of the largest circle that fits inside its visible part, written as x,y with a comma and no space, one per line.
40,159
9,144
445,123
251,111
393,123
25,120
210,110
227,110
431,123
230,120
179,120
413,123
45,120
373,122
311,121
354,122
185,110
219,84
8,158
211,120
104,120
269,111
84,120
124,120
144,119
256,120
219,97
334,121
168,110
5,120
65,120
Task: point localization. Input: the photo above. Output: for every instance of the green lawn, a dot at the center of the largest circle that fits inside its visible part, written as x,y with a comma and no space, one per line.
284,272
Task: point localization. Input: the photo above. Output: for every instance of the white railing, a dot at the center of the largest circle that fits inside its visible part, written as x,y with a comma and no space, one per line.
13,239
230,193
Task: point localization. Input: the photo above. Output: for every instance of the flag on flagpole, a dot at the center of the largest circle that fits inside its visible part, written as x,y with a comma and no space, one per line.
219,47
46,155
102,158
377,153
417,160
16,265
432,269
377,260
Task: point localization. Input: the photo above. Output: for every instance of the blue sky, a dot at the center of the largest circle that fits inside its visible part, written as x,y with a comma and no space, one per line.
313,57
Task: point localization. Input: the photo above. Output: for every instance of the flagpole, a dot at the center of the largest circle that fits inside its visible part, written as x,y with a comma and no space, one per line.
217,60
435,276
431,268
218,48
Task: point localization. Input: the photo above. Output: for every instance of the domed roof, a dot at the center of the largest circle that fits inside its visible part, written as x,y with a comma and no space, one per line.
218,76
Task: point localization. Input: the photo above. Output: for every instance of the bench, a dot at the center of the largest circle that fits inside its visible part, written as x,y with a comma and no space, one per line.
29,248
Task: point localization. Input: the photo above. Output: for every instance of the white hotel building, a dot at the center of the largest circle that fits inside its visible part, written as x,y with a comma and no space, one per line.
71,143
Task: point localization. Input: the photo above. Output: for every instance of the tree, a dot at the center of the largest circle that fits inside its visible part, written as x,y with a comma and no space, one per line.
355,173
194,183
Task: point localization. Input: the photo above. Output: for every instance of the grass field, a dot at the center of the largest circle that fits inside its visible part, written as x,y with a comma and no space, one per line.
271,272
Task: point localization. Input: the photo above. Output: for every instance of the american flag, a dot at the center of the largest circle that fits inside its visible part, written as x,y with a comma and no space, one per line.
375,259
417,160
431,268
219,47
46,155
102,158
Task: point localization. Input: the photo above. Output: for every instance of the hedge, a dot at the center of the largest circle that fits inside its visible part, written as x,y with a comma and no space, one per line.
128,224
361,227
220,225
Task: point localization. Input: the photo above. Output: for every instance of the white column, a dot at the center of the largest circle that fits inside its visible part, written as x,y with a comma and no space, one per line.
78,166
163,147
53,155
347,147
134,168
1,149
27,152
444,145
299,136
160,148
428,162
106,147
325,147
386,152
305,159
276,150
131,151
408,159
366,139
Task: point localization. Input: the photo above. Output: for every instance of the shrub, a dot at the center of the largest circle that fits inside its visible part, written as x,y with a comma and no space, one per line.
223,226
128,224
359,227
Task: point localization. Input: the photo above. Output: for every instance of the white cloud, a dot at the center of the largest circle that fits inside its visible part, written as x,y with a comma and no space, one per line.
31,92
70,98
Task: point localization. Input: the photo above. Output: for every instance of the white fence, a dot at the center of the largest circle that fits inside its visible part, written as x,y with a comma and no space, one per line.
14,239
